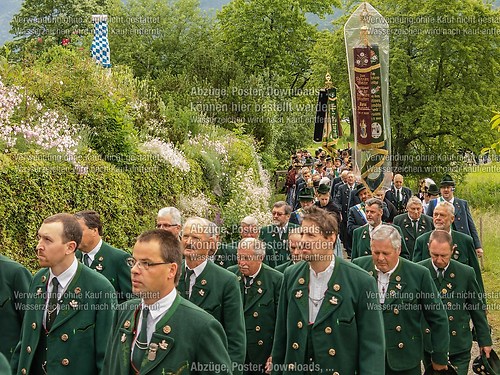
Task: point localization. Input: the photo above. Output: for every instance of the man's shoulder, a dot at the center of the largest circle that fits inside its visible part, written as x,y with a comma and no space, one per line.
221,274
461,237
365,262
400,219
91,278
423,238
352,270
113,251
271,272
359,230
192,313
234,269
9,265
407,266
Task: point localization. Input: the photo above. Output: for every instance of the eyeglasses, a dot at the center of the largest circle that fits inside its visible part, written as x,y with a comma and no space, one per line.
278,213
131,262
165,226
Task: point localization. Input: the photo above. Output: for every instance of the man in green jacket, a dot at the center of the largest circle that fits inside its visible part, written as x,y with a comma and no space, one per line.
326,321
163,333
211,287
407,297
69,308
462,299
463,245
295,247
275,236
102,257
15,281
260,289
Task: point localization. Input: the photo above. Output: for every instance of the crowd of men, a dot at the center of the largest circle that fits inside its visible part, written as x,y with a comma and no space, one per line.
342,282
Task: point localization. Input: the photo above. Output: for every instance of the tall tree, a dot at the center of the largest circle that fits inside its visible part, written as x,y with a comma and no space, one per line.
444,78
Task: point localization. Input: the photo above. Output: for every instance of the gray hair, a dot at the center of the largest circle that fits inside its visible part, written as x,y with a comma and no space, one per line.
203,226
376,202
279,204
174,214
384,232
449,207
250,220
414,200
258,246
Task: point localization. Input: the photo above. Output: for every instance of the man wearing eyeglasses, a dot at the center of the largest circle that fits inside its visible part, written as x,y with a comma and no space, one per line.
101,256
163,333
211,287
69,308
169,218
275,236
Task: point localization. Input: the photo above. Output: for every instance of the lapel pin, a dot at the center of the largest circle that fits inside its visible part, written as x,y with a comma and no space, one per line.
167,330
392,293
259,291
452,275
239,278
336,287
201,292
99,267
364,236
334,300
455,256
259,282
444,291
39,291
449,285
163,345
126,325
73,304
298,294
101,259
78,290
301,281
398,278
124,338
44,278
398,286
371,273
152,351
203,282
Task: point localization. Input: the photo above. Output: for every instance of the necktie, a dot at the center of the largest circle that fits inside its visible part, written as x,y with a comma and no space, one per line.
141,342
86,260
415,227
248,283
398,195
188,281
52,306
440,274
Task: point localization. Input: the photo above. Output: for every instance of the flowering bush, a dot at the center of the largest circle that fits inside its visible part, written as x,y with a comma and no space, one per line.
41,127
167,152
195,206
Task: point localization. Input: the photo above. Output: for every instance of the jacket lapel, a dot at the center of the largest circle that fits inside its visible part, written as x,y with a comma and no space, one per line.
300,294
201,287
161,343
333,298
396,285
256,291
72,299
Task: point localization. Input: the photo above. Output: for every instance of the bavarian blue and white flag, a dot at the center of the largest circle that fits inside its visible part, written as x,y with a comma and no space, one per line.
100,45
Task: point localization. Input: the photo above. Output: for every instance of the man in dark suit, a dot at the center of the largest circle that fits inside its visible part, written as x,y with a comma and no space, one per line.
463,219
407,297
461,296
326,317
69,308
361,236
356,216
15,281
295,248
413,223
463,247
275,236
260,289
211,287
102,257
163,333
399,194
342,201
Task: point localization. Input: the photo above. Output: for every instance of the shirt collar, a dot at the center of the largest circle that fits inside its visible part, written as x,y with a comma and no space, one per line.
65,277
95,250
444,269
388,273
256,273
161,306
199,268
327,271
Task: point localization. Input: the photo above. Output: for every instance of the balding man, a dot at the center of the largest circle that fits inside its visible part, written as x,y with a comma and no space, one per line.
260,288
211,287
169,218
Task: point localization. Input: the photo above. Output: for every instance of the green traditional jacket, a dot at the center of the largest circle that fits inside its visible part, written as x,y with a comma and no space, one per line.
361,242
276,248
411,298
77,340
463,301
15,281
260,307
189,341
463,252
347,335
216,291
112,264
